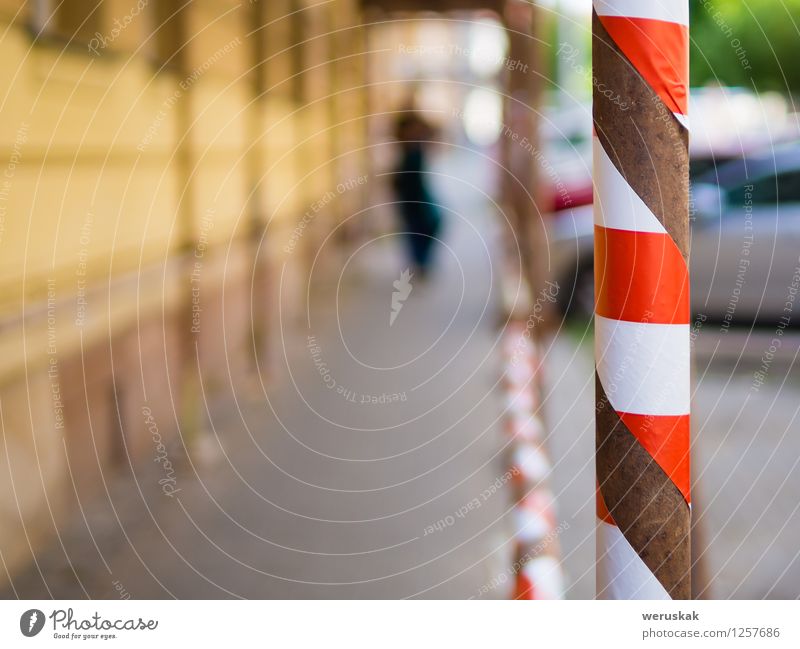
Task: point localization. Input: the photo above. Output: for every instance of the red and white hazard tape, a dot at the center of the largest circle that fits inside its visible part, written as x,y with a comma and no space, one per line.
654,36
537,568
642,312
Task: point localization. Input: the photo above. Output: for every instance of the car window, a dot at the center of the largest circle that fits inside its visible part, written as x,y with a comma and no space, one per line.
768,190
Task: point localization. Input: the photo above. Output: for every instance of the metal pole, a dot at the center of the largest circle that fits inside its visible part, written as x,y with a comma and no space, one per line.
524,187
640,54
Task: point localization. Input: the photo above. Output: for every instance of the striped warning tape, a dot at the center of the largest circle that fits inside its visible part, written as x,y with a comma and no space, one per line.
536,561
640,49
654,36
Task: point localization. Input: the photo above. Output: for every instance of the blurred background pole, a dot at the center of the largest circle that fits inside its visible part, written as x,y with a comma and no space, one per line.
642,349
536,562
520,138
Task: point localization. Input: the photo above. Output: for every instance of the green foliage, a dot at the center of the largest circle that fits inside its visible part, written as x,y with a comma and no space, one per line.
750,43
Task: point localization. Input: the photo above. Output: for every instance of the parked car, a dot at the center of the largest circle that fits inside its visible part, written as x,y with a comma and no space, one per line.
745,243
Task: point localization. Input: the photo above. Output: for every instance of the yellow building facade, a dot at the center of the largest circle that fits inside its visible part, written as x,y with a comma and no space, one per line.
157,159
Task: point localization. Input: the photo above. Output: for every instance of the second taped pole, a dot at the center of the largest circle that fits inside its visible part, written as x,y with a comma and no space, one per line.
641,166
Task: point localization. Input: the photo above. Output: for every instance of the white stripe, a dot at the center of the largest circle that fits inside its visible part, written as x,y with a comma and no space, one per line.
534,516
526,428
673,11
519,373
644,367
546,576
531,463
532,526
616,205
683,119
519,402
621,573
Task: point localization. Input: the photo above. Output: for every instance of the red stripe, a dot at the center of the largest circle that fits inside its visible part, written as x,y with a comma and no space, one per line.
642,277
659,51
602,511
524,587
666,439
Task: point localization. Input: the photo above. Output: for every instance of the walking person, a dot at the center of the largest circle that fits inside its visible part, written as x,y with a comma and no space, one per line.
419,213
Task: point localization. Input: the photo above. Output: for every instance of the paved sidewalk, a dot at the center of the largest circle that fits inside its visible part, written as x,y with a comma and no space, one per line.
343,491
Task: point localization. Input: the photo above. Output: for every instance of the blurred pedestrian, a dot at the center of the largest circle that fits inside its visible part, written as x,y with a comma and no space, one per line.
419,213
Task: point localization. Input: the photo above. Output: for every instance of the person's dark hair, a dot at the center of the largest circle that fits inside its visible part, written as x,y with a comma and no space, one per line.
410,126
